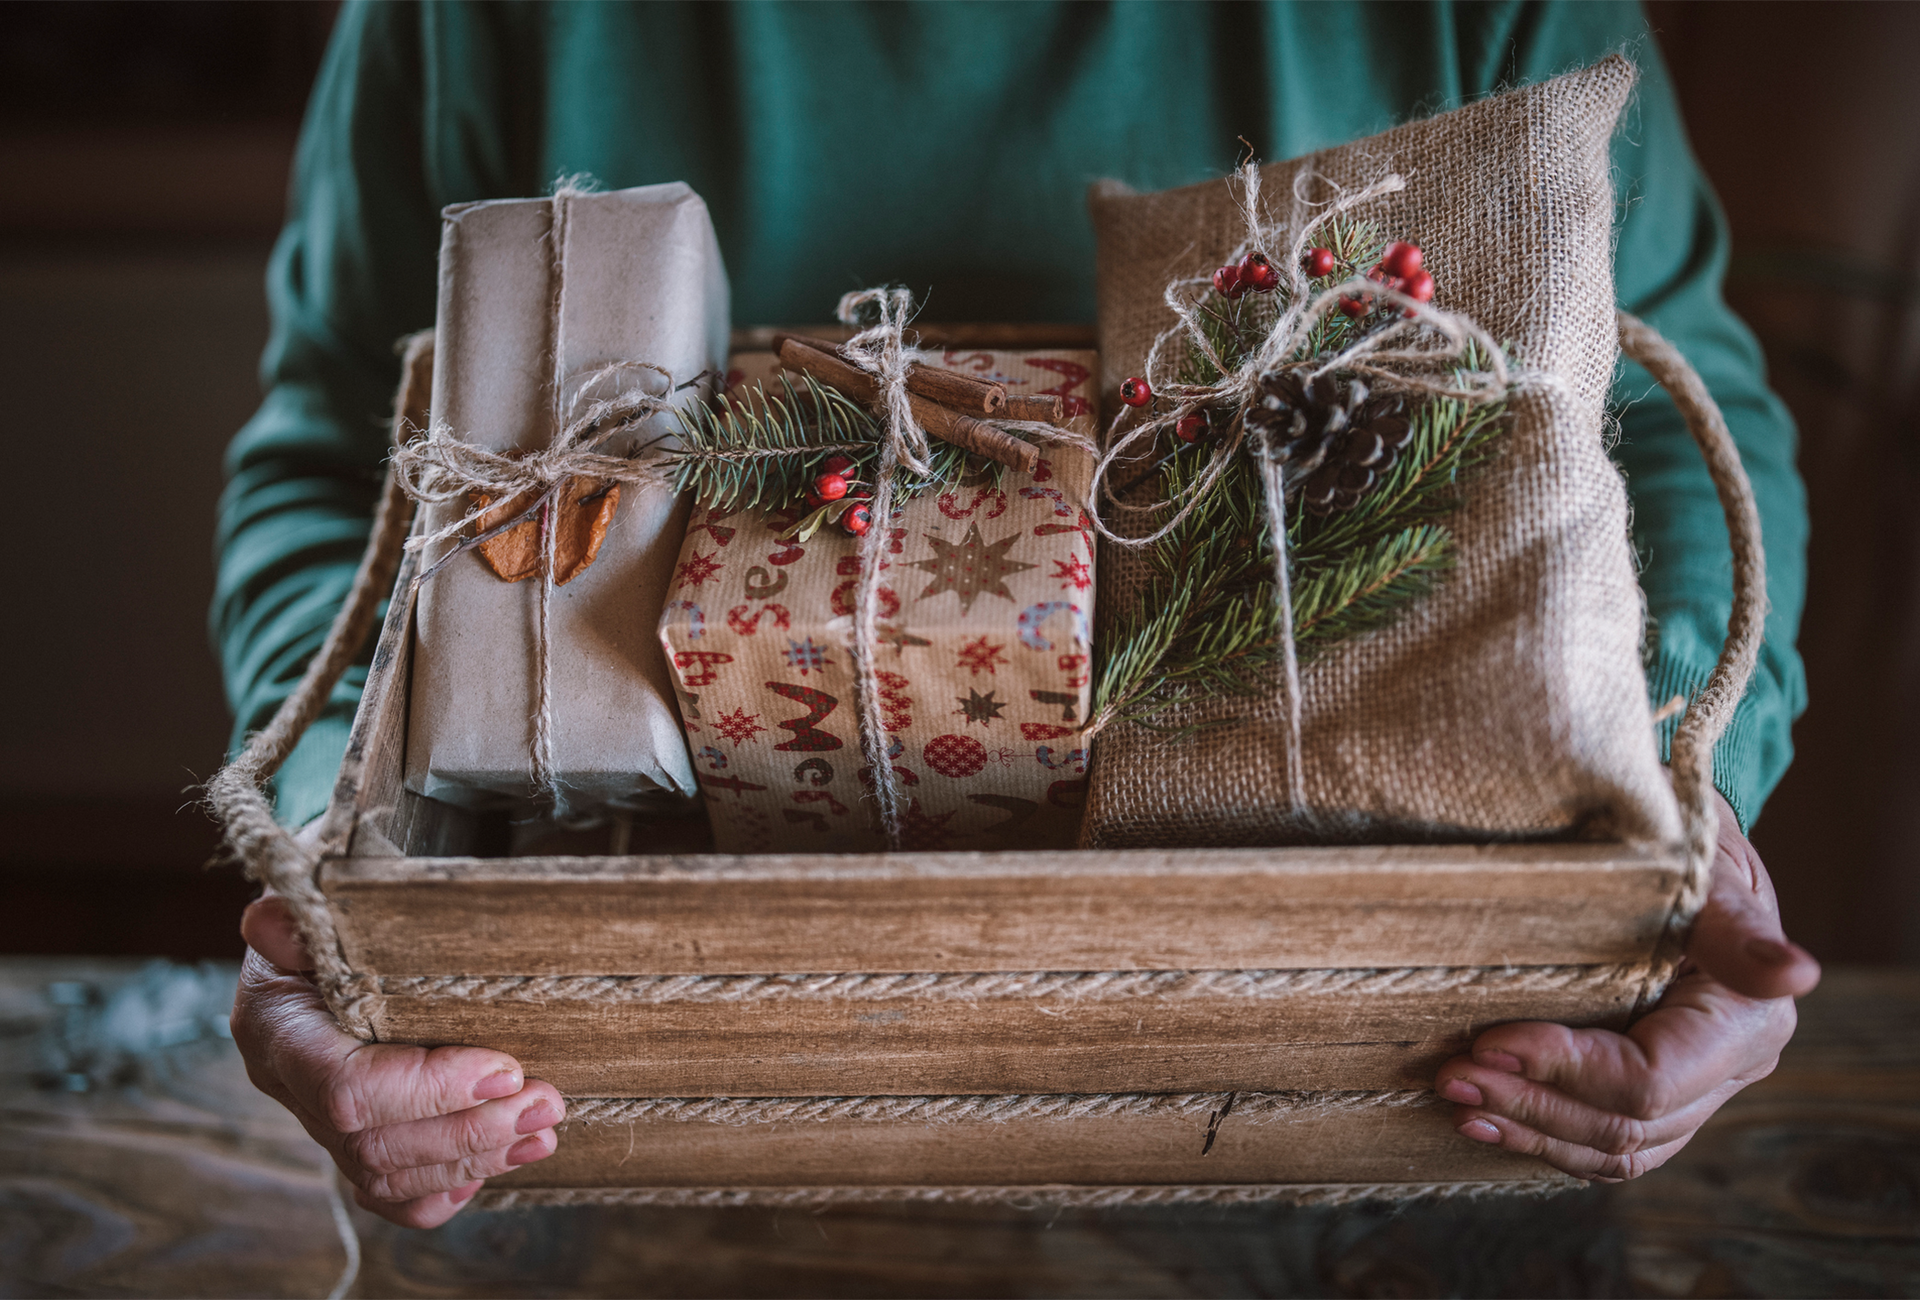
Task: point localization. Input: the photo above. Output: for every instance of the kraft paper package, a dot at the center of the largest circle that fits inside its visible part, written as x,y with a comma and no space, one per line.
638,278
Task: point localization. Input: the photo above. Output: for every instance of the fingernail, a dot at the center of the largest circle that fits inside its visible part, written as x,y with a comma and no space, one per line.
503,1084
461,1195
1480,1131
1461,1091
1493,1059
526,1151
1769,952
536,1117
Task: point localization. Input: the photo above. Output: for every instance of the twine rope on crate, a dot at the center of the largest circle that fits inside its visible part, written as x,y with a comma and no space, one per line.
1075,986
1041,1196
1709,712
992,1108
881,350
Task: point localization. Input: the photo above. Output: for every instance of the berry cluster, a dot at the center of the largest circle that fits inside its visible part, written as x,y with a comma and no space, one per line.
1399,269
1251,274
832,484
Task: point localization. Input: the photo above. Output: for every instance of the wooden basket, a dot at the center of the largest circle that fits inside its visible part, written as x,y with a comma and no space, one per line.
1091,1028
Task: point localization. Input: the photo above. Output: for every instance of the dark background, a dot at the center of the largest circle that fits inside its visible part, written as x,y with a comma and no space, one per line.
146,149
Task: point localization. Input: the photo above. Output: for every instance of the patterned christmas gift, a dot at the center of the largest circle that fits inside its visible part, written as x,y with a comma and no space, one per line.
982,656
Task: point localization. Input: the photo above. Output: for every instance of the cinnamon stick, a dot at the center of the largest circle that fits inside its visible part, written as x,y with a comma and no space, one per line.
963,393
942,422
1049,408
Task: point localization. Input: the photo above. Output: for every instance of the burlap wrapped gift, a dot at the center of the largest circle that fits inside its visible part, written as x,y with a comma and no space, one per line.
1511,702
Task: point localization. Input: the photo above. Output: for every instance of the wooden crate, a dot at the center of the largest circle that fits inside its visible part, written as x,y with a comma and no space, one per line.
1101,1027
1321,985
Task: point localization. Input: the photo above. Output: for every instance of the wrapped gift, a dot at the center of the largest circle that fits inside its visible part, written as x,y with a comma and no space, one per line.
623,277
983,666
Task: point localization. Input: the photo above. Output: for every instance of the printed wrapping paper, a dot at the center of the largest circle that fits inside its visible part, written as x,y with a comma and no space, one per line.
985,659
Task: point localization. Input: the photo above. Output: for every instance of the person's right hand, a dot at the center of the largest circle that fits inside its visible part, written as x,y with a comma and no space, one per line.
416,1131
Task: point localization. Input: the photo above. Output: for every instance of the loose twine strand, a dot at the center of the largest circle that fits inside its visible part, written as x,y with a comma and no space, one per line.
589,408
1423,352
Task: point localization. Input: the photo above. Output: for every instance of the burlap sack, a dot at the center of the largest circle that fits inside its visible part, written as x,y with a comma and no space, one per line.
1511,702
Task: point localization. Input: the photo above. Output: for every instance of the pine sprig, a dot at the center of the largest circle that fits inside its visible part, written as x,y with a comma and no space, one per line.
763,449
1206,626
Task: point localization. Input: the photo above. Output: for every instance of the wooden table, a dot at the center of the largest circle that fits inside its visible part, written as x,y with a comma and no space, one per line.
186,1182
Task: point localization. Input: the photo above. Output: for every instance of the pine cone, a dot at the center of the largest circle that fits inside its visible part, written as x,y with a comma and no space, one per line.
1336,440
1375,430
1299,419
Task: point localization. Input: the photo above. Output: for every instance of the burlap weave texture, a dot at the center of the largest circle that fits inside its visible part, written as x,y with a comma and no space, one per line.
1511,702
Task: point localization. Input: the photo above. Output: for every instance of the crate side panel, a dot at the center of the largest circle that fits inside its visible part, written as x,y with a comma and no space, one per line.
1362,1038
1244,911
1412,1144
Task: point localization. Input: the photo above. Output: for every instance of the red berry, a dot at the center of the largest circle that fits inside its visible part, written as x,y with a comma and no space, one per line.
1226,282
857,520
1191,427
1419,287
1401,258
837,464
1258,274
1353,307
830,487
814,499
1319,262
1136,391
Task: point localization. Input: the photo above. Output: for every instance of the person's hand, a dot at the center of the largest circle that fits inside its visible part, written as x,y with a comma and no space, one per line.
1607,1106
416,1131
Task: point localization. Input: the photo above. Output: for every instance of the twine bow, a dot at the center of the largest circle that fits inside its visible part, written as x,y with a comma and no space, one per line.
1419,349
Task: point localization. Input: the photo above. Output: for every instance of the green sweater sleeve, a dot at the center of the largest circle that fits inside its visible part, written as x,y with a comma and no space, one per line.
1670,263
352,273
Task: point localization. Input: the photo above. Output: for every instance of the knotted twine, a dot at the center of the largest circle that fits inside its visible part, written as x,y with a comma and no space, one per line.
1425,352
442,467
881,350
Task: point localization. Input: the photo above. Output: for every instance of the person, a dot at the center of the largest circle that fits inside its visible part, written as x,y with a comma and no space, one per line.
947,147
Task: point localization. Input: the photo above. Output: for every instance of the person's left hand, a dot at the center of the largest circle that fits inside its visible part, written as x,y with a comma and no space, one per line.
1607,1106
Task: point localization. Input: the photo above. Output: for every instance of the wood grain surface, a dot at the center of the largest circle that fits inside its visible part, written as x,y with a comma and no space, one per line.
1212,909
1195,1042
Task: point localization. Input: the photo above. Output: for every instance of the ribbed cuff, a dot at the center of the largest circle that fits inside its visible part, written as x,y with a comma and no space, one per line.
1736,758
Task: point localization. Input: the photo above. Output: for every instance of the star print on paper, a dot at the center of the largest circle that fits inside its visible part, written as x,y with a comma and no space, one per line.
805,656
980,656
973,568
738,726
980,708
696,569
1073,572
922,830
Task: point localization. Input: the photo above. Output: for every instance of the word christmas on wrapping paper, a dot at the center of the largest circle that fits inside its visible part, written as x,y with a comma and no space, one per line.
984,665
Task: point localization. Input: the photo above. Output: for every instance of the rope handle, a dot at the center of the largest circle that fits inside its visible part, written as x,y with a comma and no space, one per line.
237,792
1709,712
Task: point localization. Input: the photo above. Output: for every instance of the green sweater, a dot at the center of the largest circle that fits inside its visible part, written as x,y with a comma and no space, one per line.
947,148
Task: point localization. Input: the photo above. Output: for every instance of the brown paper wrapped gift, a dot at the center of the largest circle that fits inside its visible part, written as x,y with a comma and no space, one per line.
984,666
638,278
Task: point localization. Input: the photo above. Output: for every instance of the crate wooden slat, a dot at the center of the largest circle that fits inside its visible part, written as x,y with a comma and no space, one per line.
1403,1145
560,961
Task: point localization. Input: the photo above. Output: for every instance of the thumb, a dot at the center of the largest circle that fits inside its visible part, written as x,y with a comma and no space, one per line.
1738,939
267,926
